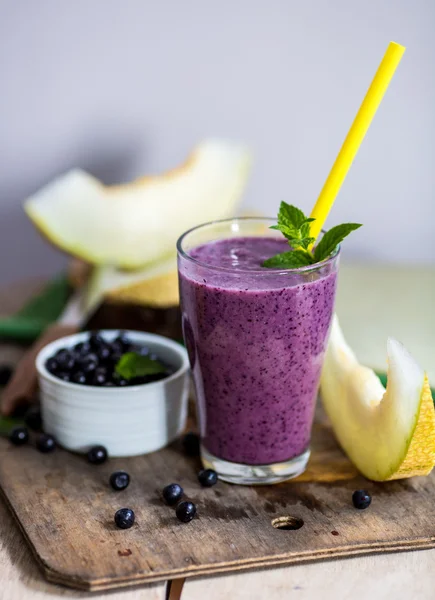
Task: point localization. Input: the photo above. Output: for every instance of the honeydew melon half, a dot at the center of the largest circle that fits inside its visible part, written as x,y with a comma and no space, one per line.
137,223
387,433
156,286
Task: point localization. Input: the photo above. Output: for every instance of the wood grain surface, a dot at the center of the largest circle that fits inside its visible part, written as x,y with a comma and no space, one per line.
65,508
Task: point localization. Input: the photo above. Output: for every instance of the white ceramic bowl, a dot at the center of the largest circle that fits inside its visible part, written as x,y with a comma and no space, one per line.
128,420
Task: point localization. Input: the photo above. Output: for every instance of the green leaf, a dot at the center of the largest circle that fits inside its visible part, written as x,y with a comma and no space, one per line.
332,238
8,423
287,231
40,311
132,365
290,215
289,260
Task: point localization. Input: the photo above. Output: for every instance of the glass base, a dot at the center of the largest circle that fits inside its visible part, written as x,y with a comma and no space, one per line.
242,474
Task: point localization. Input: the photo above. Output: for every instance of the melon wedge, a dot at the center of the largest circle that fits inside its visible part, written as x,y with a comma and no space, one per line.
134,224
156,286
387,433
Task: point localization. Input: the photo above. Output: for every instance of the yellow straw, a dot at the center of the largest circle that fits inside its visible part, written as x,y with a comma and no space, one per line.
356,134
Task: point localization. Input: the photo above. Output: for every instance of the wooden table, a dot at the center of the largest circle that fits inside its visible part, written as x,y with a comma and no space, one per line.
373,302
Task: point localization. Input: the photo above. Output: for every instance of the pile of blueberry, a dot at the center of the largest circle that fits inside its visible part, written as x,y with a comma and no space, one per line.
93,362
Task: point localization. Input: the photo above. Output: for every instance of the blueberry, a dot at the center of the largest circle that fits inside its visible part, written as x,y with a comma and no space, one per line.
19,436
33,418
52,365
143,350
185,511
117,347
97,455
121,382
100,376
172,493
119,480
82,348
207,477
78,377
65,360
88,363
123,340
46,443
104,351
63,375
115,357
5,374
124,518
191,444
95,340
361,499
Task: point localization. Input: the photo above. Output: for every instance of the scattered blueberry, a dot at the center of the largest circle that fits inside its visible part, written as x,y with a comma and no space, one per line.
119,480
46,443
124,518
361,499
172,493
97,455
207,477
191,444
185,511
33,418
19,436
5,374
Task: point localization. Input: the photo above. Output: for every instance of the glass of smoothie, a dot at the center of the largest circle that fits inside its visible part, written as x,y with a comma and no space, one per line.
256,339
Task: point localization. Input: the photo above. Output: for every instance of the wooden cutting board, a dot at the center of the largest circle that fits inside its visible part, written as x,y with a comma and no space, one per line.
65,508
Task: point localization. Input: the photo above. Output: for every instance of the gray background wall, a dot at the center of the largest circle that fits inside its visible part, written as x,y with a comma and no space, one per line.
123,87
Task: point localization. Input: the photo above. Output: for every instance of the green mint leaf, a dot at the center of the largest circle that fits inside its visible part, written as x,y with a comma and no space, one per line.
306,242
290,215
305,229
132,365
332,238
287,231
289,260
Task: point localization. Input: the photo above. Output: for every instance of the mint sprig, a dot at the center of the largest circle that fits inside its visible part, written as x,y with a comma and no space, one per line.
289,260
332,238
132,364
295,226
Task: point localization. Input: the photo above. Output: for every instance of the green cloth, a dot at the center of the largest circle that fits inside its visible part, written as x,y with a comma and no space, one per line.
45,308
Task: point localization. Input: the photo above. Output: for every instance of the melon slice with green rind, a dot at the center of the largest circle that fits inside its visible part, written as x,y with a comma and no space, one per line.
135,224
387,433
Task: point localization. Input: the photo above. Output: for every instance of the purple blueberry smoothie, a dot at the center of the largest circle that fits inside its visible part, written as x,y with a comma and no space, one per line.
256,339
